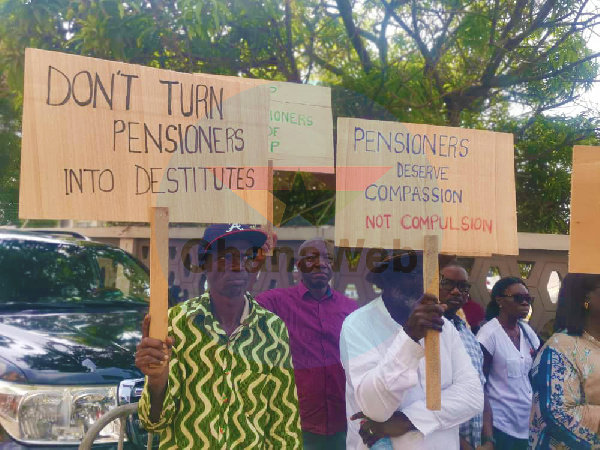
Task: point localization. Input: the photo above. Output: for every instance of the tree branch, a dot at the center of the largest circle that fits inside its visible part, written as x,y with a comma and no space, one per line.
326,65
345,10
289,50
511,79
494,22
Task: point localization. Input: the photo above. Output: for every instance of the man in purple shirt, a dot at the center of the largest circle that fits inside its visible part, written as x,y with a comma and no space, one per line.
313,314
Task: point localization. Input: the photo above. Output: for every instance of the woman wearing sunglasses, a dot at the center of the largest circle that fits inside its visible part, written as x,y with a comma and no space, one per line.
509,346
566,375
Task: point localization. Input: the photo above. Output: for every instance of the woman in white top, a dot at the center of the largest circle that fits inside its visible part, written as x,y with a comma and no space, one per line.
509,346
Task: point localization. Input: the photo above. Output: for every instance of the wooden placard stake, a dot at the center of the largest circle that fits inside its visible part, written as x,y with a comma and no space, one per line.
159,267
270,213
431,283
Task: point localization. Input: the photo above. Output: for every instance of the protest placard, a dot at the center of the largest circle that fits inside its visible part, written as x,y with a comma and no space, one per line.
443,189
455,183
104,140
584,245
300,127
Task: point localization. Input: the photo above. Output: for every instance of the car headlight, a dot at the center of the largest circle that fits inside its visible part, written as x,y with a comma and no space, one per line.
46,414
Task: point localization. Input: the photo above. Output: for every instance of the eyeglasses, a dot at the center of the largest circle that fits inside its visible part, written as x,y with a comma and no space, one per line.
449,285
520,298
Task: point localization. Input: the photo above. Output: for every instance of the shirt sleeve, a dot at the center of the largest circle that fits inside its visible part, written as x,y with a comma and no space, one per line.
378,383
283,428
488,340
170,403
461,400
535,340
264,300
561,400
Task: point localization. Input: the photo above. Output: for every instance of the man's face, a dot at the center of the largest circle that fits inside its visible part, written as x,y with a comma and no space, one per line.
314,264
453,288
226,267
402,289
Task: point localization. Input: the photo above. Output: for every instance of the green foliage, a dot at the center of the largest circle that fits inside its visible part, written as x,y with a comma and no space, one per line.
304,197
543,155
442,62
10,144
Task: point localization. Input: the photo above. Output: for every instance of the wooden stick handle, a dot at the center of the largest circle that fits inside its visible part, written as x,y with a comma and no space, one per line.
270,212
159,268
431,283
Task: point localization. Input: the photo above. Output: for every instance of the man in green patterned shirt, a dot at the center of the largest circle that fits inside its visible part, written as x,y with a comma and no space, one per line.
224,378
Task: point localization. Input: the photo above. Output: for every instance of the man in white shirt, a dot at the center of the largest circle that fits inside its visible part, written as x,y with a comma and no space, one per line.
382,350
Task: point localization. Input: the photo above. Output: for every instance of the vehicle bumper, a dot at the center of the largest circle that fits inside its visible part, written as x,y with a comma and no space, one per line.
8,443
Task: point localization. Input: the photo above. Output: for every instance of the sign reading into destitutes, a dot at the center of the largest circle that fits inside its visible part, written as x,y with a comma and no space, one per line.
455,183
104,140
585,211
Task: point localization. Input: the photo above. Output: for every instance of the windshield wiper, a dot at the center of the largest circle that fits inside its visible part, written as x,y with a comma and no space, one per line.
19,306
32,306
111,304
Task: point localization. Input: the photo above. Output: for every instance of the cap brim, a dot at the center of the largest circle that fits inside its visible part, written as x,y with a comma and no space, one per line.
257,238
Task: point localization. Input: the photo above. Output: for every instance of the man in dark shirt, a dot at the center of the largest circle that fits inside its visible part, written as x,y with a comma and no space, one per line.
313,314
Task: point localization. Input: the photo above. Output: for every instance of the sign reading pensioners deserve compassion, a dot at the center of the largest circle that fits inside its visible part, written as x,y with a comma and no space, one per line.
104,140
455,183
584,245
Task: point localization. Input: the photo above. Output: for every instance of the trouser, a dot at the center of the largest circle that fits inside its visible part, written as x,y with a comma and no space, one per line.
507,442
314,441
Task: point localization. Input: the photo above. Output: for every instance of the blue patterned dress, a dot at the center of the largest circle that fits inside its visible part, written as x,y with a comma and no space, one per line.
566,394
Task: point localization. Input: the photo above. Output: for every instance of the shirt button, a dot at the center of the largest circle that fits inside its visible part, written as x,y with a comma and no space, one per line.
221,430
225,400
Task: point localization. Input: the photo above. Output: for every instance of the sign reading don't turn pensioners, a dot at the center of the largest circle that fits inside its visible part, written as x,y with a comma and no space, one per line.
104,140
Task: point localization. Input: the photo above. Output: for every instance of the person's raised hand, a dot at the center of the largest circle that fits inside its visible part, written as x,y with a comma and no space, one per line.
427,315
152,355
371,431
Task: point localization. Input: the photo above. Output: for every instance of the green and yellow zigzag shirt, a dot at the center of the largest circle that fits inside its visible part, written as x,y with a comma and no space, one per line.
227,392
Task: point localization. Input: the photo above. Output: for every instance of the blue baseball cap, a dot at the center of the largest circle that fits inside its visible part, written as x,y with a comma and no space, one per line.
218,231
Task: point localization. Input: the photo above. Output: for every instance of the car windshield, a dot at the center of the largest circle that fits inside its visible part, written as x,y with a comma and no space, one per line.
44,272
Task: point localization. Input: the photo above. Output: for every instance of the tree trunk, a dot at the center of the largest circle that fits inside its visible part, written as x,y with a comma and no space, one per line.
453,114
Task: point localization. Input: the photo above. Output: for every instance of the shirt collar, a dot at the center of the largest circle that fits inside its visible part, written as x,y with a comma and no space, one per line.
303,291
246,311
200,306
458,322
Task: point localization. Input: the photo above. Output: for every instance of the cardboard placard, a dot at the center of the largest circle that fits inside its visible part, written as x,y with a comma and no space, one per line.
300,127
104,140
584,245
458,184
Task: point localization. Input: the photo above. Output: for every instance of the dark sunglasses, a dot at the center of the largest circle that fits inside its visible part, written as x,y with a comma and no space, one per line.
520,298
449,285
